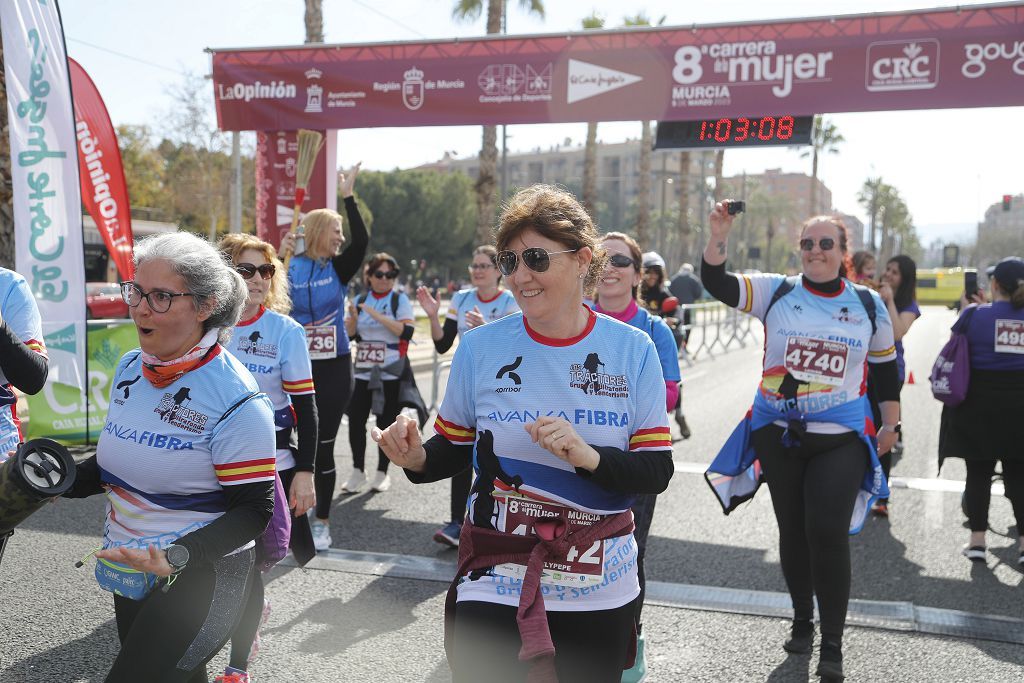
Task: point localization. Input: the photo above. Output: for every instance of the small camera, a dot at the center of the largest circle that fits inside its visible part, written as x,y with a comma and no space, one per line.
735,207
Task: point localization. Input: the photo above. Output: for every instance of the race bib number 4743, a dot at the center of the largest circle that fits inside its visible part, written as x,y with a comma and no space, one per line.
1009,336
817,360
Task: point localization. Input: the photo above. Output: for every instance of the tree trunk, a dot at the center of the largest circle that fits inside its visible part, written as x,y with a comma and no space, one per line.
684,205
590,171
314,21
719,162
643,197
486,185
814,184
6,194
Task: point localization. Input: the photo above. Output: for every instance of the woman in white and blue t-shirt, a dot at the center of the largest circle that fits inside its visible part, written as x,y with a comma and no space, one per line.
482,303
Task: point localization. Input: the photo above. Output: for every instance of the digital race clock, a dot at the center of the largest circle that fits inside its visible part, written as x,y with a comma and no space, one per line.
741,131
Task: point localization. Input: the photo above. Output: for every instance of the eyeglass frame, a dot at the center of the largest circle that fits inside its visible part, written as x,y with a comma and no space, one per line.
256,269
519,258
125,285
632,261
382,274
819,244
481,266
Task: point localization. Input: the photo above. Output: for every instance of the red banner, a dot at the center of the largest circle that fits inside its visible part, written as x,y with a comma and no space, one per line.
101,172
276,160
969,57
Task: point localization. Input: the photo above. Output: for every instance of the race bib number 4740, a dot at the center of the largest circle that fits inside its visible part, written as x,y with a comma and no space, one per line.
1009,336
817,360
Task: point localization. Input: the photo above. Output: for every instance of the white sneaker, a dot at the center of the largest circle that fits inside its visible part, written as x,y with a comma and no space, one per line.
321,535
355,482
381,481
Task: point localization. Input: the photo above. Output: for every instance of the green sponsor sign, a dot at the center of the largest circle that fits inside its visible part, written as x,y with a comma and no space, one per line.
58,411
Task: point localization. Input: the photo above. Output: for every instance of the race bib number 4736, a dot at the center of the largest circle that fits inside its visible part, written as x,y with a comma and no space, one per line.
817,360
322,341
1009,336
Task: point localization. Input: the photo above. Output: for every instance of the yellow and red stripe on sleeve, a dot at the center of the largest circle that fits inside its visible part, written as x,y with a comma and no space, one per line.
453,432
891,351
655,439
37,346
246,471
301,386
748,290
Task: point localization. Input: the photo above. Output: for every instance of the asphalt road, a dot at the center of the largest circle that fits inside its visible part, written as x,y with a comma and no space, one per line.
330,625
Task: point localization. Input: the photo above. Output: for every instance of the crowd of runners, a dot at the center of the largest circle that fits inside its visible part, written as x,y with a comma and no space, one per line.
218,453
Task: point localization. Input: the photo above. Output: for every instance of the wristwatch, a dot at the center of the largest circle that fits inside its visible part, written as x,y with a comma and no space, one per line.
177,557
896,428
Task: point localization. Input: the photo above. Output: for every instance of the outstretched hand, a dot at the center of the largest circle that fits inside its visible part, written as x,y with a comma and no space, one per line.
402,444
429,304
347,181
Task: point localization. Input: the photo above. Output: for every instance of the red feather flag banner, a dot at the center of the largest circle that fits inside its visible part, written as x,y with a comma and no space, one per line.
104,191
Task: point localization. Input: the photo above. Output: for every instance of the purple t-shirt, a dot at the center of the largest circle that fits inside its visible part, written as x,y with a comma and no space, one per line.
997,351
900,363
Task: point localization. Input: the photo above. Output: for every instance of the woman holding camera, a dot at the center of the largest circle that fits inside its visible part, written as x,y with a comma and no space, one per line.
810,427
987,427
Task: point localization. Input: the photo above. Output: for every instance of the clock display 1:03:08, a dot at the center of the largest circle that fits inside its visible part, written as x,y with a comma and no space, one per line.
740,129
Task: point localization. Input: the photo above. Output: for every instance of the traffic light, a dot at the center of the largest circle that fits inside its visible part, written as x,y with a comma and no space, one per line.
1007,200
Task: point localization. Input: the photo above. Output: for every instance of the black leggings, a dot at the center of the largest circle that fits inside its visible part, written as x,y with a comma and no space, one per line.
359,412
169,637
813,492
643,515
590,647
461,484
978,491
332,378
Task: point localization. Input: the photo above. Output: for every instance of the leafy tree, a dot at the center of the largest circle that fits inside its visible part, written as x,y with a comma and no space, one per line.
470,10
826,140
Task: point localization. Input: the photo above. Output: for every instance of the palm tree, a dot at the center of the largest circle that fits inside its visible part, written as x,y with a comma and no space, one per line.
470,10
594,21
868,197
314,21
684,202
826,140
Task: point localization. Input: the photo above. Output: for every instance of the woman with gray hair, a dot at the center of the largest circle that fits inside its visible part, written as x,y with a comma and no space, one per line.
186,460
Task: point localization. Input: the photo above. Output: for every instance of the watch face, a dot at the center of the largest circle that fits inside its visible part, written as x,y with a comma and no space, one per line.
177,555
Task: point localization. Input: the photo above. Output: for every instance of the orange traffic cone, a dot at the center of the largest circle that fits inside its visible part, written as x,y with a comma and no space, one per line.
910,378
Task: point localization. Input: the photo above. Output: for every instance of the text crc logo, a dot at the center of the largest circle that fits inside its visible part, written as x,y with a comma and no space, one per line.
902,65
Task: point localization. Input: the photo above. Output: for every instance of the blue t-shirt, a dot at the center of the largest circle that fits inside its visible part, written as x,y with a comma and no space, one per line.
466,300
996,337
18,309
665,343
318,299
607,383
900,362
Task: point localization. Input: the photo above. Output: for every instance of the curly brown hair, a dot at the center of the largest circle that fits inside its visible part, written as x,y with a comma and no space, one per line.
232,246
553,213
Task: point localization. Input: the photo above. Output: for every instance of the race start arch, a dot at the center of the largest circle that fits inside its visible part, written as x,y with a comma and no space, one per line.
922,59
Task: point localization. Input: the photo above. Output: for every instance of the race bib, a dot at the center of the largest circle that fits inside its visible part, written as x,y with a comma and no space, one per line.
816,360
579,567
322,341
369,353
1009,336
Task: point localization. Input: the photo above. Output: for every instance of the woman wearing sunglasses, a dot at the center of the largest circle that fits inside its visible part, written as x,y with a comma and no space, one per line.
617,297
186,460
273,347
561,413
810,430
484,302
318,280
381,322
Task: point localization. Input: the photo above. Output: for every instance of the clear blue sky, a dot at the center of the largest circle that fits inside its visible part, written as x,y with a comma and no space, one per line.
947,186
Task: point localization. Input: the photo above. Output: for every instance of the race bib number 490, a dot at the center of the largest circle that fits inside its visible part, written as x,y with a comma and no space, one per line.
581,566
1009,336
817,360
322,341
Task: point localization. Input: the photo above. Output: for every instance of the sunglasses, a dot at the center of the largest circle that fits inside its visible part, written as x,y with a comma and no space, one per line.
621,261
826,244
536,259
390,274
247,270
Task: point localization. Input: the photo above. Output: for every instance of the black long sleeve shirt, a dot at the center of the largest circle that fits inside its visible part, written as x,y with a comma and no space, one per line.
25,369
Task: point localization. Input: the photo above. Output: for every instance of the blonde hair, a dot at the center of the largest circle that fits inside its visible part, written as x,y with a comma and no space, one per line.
315,226
232,246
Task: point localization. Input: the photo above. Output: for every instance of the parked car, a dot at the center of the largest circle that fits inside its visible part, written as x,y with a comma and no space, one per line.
103,300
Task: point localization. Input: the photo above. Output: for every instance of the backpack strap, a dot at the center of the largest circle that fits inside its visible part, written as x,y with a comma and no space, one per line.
394,304
868,302
238,405
961,324
784,288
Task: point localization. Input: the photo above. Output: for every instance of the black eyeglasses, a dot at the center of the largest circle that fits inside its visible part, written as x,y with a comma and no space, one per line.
621,261
159,301
536,259
481,266
390,274
247,270
826,244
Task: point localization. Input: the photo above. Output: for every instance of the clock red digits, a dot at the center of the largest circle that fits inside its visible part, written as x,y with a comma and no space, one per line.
742,129
785,129
770,123
719,135
703,128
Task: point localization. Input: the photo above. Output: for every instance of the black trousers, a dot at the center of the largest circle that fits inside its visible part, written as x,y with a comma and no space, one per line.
590,647
461,485
643,515
978,491
813,492
170,636
359,412
332,378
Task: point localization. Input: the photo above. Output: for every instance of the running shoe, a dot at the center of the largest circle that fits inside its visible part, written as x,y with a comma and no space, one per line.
638,672
232,675
257,643
830,661
974,553
321,535
381,481
355,482
880,508
801,637
449,534
684,429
